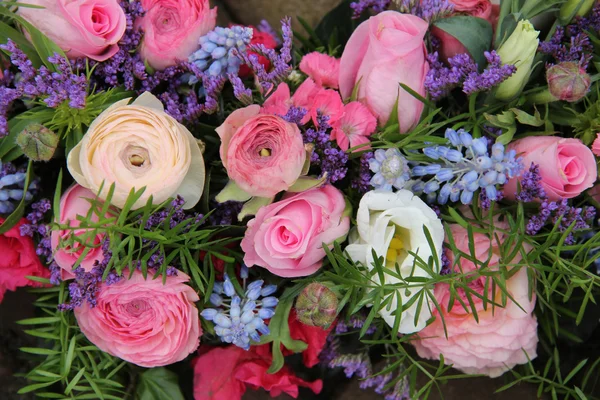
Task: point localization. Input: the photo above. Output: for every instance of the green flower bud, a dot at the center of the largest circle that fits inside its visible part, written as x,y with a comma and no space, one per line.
575,8
317,305
568,81
37,142
519,50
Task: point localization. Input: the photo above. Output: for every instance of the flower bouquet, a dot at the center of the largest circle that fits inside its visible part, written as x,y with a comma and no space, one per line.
202,210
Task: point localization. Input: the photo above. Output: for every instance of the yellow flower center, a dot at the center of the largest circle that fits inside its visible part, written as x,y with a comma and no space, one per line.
265,152
396,246
397,250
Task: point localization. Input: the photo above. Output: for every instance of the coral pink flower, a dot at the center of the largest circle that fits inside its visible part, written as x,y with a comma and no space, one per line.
143,321
323,69
355,127
278,102
327,102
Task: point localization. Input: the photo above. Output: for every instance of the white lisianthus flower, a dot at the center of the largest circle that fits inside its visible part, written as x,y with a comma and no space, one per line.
391,224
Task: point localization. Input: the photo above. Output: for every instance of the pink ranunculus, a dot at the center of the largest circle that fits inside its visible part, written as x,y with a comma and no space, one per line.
76,201
449,45
287,237
143,321
355,127
323,69
18,260
596,145
82,28
172,29
567,166
263,154
384,51
503,337
239,369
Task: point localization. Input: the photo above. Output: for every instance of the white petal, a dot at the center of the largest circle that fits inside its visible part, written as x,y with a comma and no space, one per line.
193,184
149,100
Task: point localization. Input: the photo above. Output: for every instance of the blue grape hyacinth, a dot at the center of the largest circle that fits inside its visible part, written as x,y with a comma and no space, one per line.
241,319
216,55
12,184
463,167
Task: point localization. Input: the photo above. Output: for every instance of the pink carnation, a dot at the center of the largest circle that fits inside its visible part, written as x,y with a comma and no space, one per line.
143,321
323,69
596,145
355,127
263,154
503,337
327,102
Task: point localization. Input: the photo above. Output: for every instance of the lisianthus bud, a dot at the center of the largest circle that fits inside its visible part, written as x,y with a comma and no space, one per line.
317,305
37,142
568,81
519,50
575,8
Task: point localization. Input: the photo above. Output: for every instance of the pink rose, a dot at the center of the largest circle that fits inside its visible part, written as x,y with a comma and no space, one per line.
263,154
76,201
355,127
449,45
384,51
496,343
238,369
82,28
286,237
172,29
596,145
18,260
143,321
323,69
567,166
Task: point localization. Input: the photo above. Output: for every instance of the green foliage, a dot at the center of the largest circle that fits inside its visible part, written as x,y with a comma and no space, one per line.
474,33
158,384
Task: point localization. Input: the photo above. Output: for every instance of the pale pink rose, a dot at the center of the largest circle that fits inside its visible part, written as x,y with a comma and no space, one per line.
76,201
567,166
82,28
287,237
143,321
355,127
327,102
172,29
497,342
596,145
323,69
263,154
384,51
278,102
449,45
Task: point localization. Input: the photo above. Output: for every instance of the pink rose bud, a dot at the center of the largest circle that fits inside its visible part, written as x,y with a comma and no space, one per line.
383,52
567,166
90,28
316,305
568,81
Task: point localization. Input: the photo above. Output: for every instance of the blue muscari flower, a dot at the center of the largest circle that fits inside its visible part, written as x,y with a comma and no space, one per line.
241,319
464,166
391,169
217,51
12,184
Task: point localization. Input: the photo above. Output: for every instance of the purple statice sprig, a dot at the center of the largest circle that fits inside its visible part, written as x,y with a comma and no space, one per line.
376,6
429,10
362,180
462,71
332,160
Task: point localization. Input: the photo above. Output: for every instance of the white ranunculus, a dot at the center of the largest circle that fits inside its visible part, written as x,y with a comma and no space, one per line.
392,224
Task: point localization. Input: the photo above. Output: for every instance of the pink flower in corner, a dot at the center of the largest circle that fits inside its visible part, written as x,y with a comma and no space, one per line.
327,102
596,145
355,127
323,69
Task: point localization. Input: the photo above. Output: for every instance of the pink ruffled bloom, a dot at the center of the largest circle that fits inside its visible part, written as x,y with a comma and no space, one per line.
82,28
143,321
484,9
18,260
596,145
384,51
497,342
567,166
76,201
327,102
355,127
263,154
323,69
238,369
172,29
286,237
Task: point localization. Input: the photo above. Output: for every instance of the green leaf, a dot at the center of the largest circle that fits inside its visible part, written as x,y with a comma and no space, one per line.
528,119
339,23
159,384
474,33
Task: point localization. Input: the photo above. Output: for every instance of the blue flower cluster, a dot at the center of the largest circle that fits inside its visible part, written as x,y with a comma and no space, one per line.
391,169
217,52
12,184
463,168
241,319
